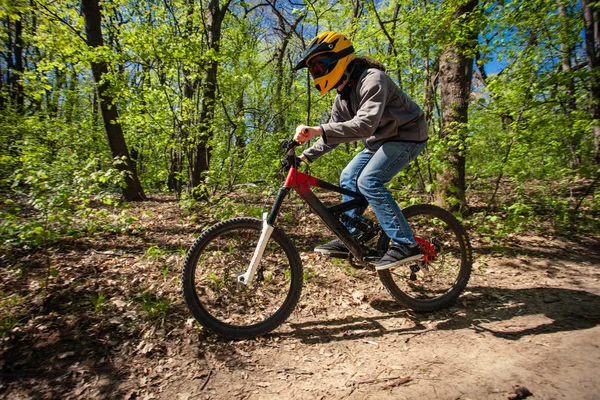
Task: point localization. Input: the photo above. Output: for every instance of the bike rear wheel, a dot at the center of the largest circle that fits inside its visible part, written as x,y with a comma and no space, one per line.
223,304
438,279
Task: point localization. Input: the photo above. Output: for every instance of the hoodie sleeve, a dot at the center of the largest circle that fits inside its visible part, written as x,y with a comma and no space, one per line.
374,95
318,149
321,146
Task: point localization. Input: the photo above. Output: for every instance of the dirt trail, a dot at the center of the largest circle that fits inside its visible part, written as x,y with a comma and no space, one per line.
530,317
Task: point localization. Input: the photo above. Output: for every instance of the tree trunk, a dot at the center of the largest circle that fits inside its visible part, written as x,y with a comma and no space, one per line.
14,62
53,96
200,162
133,189
282,80
592,48
568,88
19,66
181,129
71,97
456,73
279,120
392,48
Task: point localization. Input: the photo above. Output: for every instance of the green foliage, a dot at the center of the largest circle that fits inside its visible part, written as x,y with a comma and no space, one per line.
45,205
308,274
349,269
154,252
227,208
531,122
164,271
154,306
7,324
8,316
98,301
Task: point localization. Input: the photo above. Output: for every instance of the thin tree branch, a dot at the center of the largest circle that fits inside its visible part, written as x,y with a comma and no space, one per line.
60,19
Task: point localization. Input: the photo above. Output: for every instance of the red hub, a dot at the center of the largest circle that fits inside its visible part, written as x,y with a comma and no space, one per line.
427,248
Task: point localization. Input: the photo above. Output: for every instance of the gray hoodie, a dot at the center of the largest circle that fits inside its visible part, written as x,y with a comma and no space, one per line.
376,111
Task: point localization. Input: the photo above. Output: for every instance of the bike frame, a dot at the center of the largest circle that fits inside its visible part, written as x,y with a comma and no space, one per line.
302,183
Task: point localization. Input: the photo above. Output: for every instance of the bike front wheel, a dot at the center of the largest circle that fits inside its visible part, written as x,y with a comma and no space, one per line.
440,276
223,304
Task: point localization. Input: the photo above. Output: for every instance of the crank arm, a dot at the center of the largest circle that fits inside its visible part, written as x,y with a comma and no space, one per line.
247,277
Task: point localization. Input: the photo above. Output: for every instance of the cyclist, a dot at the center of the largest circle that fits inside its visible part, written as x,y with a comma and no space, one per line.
370,107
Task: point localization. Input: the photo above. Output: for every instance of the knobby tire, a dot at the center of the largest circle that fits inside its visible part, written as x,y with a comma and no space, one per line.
438,284
227,307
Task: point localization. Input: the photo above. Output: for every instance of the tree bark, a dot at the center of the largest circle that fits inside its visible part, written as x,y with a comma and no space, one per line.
392,48
200,163
14,62
282,80
19,66
71,97
592,48
181,132
132,191
456,73
568,88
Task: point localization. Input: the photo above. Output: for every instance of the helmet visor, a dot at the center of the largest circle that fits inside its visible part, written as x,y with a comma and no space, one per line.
321,65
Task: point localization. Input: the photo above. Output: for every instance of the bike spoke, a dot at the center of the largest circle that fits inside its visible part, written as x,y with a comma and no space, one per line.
432,278
230,301
440,276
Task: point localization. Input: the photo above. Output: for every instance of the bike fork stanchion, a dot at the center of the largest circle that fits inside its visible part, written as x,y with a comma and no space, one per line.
247,277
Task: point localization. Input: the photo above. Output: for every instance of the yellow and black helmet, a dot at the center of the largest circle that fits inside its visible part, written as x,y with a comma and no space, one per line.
327,57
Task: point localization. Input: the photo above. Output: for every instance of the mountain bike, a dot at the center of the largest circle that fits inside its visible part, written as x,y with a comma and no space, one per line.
242,277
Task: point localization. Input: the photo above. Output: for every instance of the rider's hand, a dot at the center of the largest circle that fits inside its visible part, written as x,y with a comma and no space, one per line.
305,133
291,161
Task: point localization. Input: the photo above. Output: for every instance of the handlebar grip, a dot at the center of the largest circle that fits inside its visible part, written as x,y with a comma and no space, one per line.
289,144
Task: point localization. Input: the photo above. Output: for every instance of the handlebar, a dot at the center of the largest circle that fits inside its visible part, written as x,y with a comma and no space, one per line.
289,145
289,160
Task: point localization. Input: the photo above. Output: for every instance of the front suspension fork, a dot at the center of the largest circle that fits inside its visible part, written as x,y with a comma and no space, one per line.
247,277
267,229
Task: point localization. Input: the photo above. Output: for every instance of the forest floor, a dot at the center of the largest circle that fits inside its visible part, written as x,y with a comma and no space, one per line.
102,316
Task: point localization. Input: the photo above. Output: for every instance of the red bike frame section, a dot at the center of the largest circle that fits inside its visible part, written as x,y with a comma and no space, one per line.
302,183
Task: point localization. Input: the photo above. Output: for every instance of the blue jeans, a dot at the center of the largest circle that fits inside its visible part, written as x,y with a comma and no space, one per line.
368,172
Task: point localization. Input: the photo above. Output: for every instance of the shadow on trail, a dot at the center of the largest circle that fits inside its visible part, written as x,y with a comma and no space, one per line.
538,251
567,310
71,358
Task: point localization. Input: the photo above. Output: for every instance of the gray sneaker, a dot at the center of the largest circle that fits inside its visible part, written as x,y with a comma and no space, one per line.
398,255
335,249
